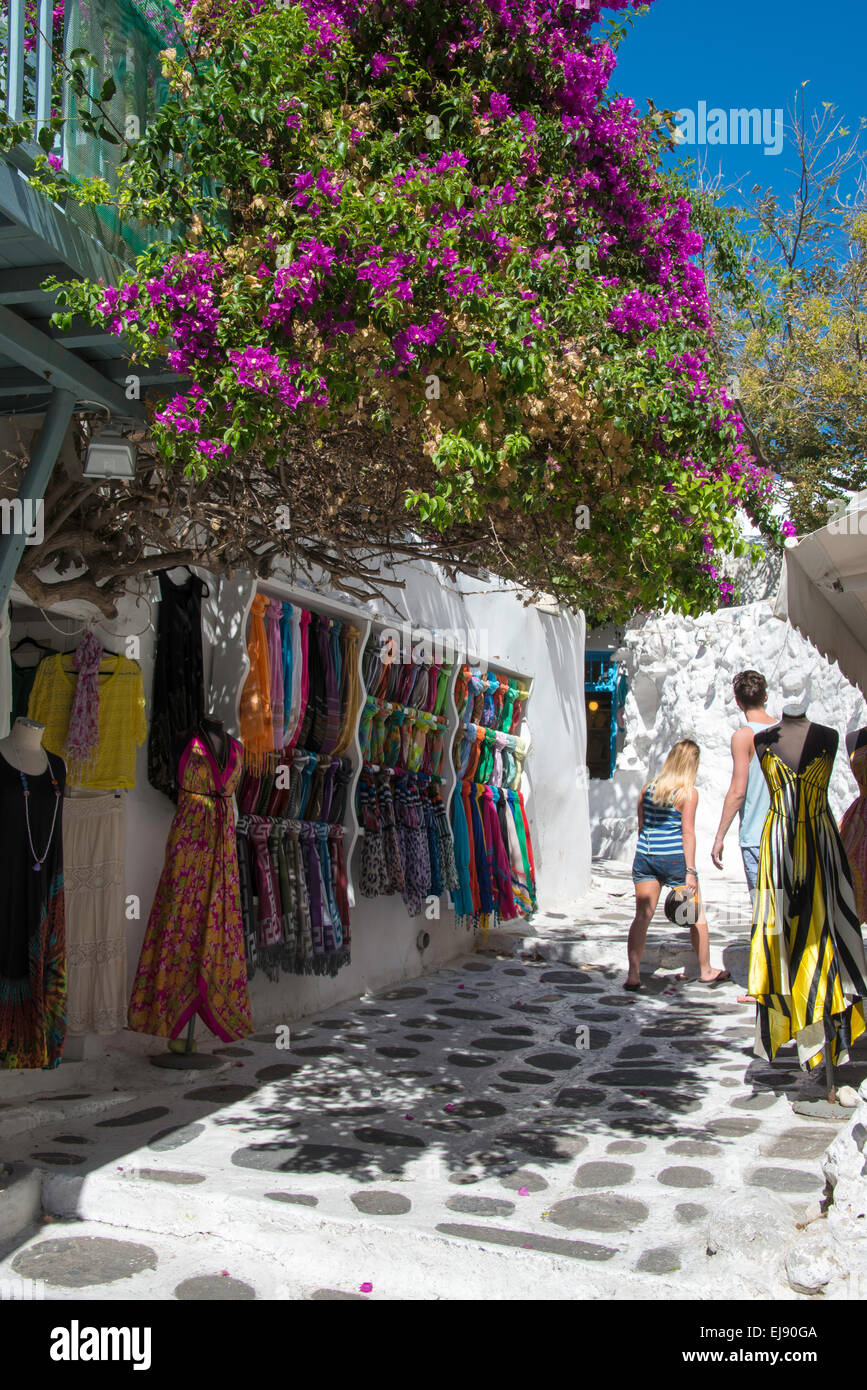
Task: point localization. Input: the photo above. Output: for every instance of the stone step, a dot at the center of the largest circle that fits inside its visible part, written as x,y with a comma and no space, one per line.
20,1199
325,1256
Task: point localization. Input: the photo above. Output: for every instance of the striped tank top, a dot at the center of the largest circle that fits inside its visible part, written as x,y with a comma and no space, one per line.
662,832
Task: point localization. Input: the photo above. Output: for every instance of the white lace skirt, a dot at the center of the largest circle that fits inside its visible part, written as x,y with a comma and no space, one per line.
94,830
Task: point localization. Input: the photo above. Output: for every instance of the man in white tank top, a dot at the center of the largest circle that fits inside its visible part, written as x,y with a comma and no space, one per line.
747,795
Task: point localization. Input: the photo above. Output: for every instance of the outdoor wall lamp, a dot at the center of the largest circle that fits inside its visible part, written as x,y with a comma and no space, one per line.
109,455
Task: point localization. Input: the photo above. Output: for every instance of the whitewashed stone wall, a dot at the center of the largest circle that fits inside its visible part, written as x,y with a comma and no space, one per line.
680,673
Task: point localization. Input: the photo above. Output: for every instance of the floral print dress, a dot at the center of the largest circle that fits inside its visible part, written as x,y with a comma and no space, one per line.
192,959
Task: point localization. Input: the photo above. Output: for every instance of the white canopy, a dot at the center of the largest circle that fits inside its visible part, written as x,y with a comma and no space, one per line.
823,590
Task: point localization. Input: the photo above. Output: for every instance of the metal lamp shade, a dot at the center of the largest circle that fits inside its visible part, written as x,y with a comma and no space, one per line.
110,456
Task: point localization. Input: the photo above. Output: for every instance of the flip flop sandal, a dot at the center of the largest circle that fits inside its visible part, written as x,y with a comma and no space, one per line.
633,989
719,979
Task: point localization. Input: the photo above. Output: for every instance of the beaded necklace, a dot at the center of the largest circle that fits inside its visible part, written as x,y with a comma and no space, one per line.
39,860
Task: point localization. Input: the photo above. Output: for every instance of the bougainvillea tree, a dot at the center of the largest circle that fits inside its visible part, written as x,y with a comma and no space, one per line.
420,264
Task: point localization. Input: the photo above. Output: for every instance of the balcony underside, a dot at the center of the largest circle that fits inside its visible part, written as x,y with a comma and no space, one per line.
37,240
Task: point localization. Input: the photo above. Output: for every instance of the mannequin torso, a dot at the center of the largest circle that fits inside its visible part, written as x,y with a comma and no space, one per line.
796,741
213,732
23,750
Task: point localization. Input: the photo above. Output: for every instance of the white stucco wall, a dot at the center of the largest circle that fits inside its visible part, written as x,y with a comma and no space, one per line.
680,675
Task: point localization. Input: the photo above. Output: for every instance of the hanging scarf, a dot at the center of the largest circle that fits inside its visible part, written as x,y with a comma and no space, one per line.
257,733
335,845
462,894
303,963
304,677
342,777
499,868
520,890
443,684
275,662
350,686
373,874
82,737
286,662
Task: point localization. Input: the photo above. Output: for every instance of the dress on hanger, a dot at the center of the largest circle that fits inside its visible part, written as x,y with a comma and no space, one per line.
853,832
32,925
192,959
807,960
178,698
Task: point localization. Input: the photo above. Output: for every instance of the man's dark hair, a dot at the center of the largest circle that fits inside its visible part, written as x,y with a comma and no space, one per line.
751,689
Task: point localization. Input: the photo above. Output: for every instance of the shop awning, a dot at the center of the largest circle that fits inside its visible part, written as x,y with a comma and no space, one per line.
823,591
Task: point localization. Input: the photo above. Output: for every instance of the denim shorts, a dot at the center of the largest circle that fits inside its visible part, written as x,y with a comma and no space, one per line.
667,869
750,856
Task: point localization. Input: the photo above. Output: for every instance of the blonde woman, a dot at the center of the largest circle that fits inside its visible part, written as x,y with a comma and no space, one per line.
665,857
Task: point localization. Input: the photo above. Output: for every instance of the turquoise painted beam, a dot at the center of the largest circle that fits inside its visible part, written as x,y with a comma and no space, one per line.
59,367
23,284
33,485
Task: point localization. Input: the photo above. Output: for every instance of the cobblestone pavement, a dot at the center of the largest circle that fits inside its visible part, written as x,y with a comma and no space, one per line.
501,1128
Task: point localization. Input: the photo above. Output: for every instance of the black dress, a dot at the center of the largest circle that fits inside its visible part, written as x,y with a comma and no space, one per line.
22,684
178,695
32,923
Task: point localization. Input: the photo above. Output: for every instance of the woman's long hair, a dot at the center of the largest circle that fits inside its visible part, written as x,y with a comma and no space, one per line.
677,778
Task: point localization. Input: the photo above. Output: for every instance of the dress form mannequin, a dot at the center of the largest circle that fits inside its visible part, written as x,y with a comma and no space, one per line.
213,731
22,748
182,1052
32,915
805,904
795,740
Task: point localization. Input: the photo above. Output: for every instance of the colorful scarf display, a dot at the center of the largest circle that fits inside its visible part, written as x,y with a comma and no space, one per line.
294,898
407,846
493,849
299,711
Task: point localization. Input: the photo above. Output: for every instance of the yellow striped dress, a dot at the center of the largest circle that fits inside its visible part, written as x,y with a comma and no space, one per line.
807,961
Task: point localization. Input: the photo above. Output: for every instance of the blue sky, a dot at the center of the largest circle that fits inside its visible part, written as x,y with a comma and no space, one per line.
747,53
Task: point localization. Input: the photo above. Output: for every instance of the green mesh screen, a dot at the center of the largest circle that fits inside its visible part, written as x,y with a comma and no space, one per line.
126,37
